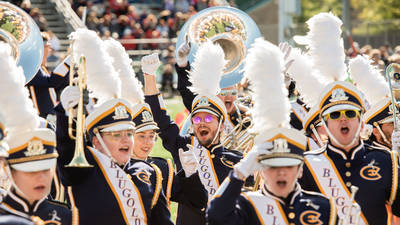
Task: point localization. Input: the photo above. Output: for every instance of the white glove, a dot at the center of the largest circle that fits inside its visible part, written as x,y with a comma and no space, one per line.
150,64
183,52
396,140
70,97
188,161
249,164
286,49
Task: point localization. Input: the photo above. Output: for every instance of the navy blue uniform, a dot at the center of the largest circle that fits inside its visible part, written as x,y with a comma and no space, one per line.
52,213
297,114
222,159
14,220
44,86
177,188
90,192
373,170
234,207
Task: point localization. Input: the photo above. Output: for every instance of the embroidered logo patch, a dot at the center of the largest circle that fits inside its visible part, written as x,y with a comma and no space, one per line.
144,176
370,172
203,102
120,113
310,217
147,117
227,163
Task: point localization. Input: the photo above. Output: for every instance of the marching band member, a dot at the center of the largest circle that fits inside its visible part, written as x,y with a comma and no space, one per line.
346,161
44,85
185,186
228,95
379,117
208,113
130,189
32,158
277,154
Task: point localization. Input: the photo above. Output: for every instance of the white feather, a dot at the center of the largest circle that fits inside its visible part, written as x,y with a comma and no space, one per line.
368,79
326,46
102,79
131,88
16,106
308,83
207,69
263,68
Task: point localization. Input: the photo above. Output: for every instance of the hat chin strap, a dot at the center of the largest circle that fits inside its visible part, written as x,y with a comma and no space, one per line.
383,135
216,134
336,141
105,148
320,143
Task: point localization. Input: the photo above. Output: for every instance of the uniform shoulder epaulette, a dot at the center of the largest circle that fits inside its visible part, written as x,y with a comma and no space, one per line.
236,152
57,203
316,151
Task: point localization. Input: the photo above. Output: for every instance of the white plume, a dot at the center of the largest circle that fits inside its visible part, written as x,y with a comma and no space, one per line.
308,83
263,68
326,46
131,88
368,79
207,69
102,80
16,106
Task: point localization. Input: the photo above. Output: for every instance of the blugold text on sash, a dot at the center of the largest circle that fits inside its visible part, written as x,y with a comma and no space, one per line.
205,171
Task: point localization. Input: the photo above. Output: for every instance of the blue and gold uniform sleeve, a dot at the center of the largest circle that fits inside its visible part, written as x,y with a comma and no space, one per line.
226,206
394,197
58,79
307,181
169,131
183,84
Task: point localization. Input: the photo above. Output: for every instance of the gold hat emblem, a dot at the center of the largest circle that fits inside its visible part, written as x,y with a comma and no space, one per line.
120,113
35,147
147,117
338,95
280,146
203,102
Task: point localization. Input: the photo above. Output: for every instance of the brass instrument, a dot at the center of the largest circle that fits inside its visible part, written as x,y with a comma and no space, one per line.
347,219
21,33
393,75
239,138
79,159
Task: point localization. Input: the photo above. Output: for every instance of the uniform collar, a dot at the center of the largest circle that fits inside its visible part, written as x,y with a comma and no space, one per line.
376,144
286,201
354,154
19,203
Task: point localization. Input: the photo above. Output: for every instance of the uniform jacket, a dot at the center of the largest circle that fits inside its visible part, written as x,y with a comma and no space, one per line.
89,190
222,159
51,212
234,207
373,170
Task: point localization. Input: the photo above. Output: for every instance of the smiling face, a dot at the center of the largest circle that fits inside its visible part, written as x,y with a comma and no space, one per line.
206,130
280,181
34,185
144,142
119,143
344,130
228,99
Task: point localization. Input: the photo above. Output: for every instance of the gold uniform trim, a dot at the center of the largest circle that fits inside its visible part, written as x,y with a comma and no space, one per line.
22,147
106,113
255,208
158,185
333,215
33,158
395,176
170,181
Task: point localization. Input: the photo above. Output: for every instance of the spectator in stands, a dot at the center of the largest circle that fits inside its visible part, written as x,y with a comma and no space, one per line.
92,22
132,14
128,35
169,5
106,35
366,49
39,19
201,4
162,27
375,55
119,7
26,6
182,6
167,78
395,58
53,41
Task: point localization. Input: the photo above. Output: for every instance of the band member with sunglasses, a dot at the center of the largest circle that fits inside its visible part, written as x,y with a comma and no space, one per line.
345,161
228,95
208,114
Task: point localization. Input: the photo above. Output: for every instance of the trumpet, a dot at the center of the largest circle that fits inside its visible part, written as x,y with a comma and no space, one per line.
348,219
79,159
